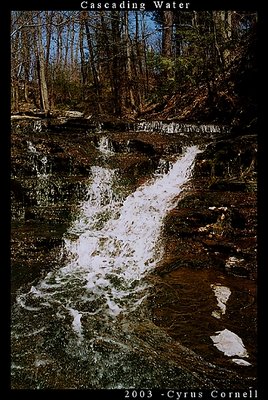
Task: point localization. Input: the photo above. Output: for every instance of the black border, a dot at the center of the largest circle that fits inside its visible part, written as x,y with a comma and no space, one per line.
75,5
5,9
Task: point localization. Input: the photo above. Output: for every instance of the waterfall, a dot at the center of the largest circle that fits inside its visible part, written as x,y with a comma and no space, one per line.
105,145
181,128
40,163
42,171
117,243
111,246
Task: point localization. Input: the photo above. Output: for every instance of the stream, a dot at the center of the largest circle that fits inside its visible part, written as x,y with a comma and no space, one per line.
86,323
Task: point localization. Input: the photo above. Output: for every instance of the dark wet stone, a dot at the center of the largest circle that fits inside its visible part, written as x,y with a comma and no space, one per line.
135,145
229,186
115,126
232,159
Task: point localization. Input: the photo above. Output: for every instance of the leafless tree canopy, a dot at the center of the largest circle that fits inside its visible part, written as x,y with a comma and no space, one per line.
120,61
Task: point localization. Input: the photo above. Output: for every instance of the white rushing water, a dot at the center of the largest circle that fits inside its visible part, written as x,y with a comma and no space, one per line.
112,244
105,145
177,127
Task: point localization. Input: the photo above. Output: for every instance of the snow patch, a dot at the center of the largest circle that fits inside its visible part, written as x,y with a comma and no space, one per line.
229,343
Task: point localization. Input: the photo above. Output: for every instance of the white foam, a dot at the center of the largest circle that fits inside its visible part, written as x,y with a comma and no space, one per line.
105,146
77,327
114,242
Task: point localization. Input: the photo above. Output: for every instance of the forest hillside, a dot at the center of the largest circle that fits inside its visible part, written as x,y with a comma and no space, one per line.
180,65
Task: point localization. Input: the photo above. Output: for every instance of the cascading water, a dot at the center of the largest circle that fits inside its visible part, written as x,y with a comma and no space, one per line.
41,168
83,317
182,128
105,146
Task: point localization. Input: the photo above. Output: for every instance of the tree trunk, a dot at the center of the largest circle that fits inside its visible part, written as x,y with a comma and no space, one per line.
94,71
129,95
167,34
41,68
116,72
49,20
107,53
167,41
15,96
82,57
141,86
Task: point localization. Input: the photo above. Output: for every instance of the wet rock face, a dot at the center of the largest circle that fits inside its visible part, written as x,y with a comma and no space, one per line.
216,219
231,165
209,236
208,228
211,241
50,165
215,223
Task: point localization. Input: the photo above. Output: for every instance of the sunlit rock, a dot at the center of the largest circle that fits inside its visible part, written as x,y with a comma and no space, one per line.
240,361
229,343
74,114
222,294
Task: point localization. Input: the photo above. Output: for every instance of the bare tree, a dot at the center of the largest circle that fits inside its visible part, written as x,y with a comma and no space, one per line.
167,33
95,75
41,66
